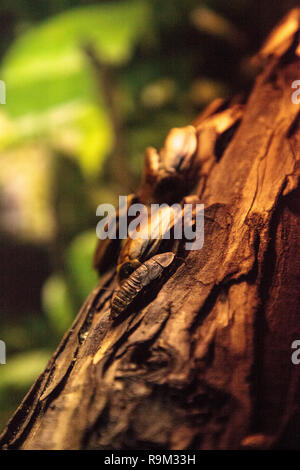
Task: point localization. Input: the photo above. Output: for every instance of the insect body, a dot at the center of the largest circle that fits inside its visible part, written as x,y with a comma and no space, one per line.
137,250
155,235
179,148
164,180
167,172
140,278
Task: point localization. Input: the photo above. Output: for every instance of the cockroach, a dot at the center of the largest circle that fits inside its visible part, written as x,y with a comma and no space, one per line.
138,280
163,181
135,251
179,147
166,175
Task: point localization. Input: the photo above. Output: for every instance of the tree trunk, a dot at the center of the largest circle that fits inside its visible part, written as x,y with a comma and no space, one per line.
205,361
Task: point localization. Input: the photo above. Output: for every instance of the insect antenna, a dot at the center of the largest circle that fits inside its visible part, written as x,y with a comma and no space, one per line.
182,259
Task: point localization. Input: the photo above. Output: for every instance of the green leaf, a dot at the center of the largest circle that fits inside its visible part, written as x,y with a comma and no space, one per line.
79,262
50,86
57,303
22,369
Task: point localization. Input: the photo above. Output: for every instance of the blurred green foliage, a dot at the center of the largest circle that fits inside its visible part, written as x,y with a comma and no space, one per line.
50,83
60,132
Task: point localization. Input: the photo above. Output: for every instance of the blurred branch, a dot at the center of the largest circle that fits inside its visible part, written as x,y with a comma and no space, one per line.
117,164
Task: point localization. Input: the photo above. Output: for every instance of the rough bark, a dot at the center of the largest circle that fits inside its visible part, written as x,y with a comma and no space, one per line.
204,361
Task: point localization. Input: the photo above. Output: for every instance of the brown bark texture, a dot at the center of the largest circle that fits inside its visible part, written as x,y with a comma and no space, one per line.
202,360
